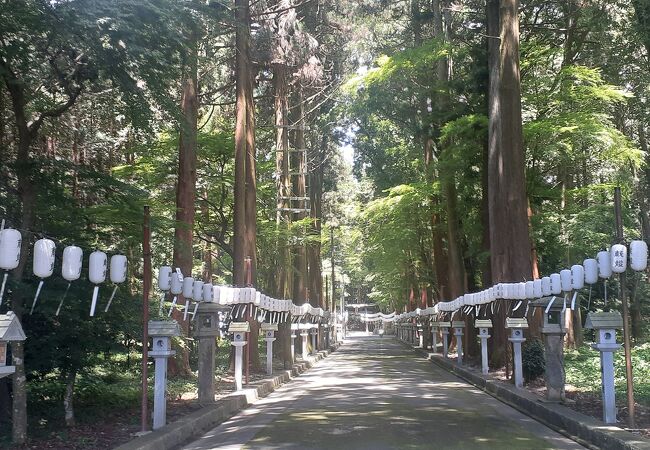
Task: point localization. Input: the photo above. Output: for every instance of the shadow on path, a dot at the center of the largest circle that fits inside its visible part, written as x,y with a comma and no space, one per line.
373,394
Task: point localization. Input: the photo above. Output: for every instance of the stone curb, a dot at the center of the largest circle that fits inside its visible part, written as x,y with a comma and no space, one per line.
584,429
198,422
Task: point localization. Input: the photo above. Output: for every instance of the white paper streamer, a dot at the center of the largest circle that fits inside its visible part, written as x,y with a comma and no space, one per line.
110,300
58,310
94,302
38,291
171,308
548,307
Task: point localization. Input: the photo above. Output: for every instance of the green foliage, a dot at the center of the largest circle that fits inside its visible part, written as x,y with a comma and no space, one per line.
395,240
532,359
583,371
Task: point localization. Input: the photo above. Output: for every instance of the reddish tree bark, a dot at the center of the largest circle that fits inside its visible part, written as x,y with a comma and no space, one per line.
509,238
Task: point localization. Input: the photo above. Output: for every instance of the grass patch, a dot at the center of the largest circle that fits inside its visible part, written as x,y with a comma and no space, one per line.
583,371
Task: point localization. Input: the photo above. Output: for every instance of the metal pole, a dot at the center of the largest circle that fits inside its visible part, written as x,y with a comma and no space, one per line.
626,326
146,283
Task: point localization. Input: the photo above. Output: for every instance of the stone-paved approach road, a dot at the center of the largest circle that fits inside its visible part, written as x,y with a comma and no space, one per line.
375,394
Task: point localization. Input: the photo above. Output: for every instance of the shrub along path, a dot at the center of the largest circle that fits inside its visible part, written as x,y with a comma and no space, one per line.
371,395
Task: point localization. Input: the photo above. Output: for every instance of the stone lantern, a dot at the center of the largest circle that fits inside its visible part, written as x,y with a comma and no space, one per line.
161,332
434,336
517,327
459,328
605,324
304,333
269,330
10,331
207,329
444,329
313,332
238,331
294,335
484,333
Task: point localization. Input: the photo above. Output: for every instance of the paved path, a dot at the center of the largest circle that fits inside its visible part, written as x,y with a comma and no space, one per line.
375,394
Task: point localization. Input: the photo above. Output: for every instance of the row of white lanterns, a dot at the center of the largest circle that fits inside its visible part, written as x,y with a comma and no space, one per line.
568,280
43,265
242,299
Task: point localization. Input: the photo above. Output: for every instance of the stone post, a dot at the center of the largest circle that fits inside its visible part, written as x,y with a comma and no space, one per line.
269,330
207,330
605,324
459,327
314,335
434,337
303,335
239,330
445,333
161,333
484,333
554,373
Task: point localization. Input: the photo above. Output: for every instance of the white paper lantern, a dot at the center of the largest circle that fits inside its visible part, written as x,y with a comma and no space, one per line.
537,288
591,270
638,255
43,264
97,264
556,284
226,293
565,280
618,258
197,290
188,287
165,278
70,269
44,258
118,270
117,274
176,286
577,276
72,263
10,241
520,291
207,292
530,289
604,264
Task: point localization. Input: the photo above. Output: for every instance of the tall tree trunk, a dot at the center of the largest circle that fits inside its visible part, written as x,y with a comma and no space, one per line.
509,238
299,190
186,198
251,213
242,85
281,106
485,221
643,196
208,267
68,398
27,194
315,268
535,315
